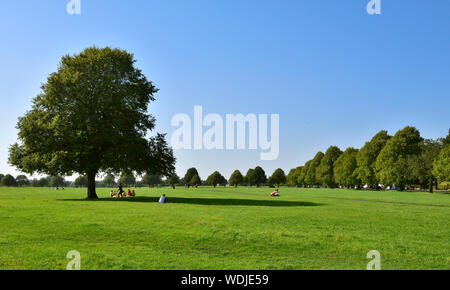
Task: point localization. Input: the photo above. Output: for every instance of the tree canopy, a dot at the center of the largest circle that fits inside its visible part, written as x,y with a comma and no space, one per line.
393,163
441,167
195,180
311,168
152,179
92,117
190,174
8,180
215,179
57,181
345,168
325,171
260,176
278,177
173,180
109,180
236,178
367,157
22,180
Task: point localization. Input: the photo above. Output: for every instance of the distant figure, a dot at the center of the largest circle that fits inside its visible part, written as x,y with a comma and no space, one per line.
275,193
162,199
120,190
196,185
133,194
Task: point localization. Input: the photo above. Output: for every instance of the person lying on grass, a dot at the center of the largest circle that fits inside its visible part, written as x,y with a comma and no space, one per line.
275,193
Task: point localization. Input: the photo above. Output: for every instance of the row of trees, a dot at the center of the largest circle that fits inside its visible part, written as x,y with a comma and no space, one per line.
21,180
403,159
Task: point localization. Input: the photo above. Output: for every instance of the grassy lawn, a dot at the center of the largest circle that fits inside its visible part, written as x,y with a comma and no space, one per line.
220,228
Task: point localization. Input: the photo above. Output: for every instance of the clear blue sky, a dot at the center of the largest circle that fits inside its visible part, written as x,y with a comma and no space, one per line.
335,74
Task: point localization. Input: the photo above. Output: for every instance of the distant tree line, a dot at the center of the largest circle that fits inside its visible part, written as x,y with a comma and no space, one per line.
401,160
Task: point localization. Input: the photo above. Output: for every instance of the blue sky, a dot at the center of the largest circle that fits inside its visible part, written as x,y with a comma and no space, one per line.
335,74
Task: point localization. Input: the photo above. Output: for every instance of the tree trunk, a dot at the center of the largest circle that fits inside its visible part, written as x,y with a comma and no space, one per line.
431,185
91,186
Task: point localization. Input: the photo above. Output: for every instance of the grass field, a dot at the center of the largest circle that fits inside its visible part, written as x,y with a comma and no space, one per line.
224,228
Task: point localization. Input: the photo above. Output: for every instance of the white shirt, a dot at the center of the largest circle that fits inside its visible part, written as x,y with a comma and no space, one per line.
162,199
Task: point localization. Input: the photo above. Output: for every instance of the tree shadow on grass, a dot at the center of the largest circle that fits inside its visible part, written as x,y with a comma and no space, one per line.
208,201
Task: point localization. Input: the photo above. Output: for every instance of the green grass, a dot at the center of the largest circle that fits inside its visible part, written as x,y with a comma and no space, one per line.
222,228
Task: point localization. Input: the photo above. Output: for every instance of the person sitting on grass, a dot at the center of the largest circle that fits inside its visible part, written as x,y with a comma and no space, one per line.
275,193
112,193
132,194
129,192
162,199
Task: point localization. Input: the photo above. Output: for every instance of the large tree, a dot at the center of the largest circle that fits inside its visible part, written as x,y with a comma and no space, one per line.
325,171
367,157
344,168
393,163
260,176
92,117
236,178
215,179
189,175
278,177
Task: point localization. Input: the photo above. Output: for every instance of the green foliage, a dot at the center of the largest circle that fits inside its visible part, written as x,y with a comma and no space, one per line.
109,180
393,163
260,176
8,180
152,179
81,181
311,168
22,180
422,164
92,117
345,168
57,181
236,178
173,180
190,174
325,171
250,177
441,167
127,179
277,178
367,157
215,179
447,139
195,180
296,176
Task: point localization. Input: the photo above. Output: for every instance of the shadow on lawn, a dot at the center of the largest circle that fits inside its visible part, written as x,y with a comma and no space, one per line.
208,201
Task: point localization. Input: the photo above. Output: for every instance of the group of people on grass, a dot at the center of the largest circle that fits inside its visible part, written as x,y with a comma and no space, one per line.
122,193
